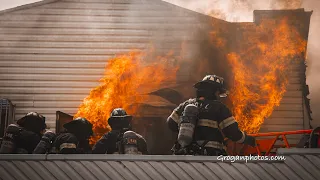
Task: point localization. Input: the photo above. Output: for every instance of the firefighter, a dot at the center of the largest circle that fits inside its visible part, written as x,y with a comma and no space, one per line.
121,139
75,138
203,122
23,137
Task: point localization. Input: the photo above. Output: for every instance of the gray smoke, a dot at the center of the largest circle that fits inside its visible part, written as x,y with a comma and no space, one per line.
313,70
242,11
235,10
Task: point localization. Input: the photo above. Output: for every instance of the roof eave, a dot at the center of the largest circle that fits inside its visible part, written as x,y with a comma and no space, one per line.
26,6
121,157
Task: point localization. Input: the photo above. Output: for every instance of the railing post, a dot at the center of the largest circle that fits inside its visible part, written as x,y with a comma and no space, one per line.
285,140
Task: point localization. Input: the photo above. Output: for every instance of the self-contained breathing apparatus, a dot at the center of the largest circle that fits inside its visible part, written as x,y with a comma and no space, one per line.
127,143
8,145
185,144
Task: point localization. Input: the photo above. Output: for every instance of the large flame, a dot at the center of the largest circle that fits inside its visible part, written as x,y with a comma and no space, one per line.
126,78
261,70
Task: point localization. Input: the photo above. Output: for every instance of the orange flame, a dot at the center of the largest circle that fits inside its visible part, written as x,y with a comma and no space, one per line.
126,78
262,69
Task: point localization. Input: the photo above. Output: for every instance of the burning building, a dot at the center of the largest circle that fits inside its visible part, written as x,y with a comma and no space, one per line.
54,52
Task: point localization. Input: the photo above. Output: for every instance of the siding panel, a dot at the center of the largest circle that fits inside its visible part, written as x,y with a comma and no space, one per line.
113,13
82,18
76,45
96,25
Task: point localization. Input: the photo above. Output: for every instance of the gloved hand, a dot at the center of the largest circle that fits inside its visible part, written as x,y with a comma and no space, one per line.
250,140
45,144
48,136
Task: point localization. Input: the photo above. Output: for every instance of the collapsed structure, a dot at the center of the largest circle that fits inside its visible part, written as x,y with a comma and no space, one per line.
54,52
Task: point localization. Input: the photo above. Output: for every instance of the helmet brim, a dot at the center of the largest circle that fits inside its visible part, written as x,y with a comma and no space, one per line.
71,124
112,121
125,116
79,124
210,84
22,121
30,119
200,84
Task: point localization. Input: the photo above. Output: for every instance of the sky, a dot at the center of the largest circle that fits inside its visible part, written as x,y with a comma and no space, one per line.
5,4
242,10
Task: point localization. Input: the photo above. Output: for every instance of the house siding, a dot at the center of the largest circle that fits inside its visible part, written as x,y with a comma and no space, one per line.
52,54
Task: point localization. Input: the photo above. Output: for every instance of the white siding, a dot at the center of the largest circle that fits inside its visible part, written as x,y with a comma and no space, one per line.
52,54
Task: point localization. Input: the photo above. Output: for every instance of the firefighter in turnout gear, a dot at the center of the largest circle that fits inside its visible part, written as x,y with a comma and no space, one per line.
203,122
75,138
120,140
23,137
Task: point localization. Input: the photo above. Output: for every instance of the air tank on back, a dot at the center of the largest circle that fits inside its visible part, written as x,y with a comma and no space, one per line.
8,145
130,144
187,125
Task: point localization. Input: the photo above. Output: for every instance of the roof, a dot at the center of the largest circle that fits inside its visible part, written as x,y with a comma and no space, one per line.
298,165
165,3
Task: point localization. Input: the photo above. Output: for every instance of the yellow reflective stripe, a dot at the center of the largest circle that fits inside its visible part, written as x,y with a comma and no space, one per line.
174,115
67,146
227,122
242,138
212,144
208,123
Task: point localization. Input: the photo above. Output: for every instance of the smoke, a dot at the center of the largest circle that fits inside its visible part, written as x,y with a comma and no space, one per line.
242,11
235,10
313,70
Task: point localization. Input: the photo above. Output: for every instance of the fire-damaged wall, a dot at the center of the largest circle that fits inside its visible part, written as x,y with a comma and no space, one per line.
291,114
54,52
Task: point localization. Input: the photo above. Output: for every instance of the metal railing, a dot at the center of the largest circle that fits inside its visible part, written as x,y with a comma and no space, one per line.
265,145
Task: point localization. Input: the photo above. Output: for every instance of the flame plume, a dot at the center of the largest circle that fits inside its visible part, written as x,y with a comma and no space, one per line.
126,78
261,70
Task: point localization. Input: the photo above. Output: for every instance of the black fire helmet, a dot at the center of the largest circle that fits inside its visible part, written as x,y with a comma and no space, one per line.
79,124
119,119
211,82
33,121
